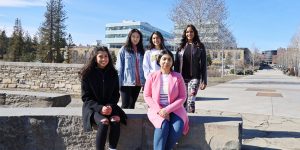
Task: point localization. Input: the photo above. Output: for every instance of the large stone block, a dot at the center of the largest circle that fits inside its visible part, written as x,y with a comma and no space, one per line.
33,99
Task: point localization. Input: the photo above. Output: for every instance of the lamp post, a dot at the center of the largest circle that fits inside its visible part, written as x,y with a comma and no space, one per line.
222,69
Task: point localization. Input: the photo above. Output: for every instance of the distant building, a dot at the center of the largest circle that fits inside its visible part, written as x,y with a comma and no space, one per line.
269,56
116,33
231,57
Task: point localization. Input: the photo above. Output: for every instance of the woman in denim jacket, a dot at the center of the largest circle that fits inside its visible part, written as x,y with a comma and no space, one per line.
130,70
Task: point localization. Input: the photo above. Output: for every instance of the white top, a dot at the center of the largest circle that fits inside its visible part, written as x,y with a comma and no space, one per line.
149,62
181,60
163,94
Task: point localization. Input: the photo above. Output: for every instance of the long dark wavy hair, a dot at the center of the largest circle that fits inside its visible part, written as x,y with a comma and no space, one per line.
92,64
128,44
196,39
162,43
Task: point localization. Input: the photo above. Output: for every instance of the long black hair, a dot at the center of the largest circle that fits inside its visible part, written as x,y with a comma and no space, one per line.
162,43
128,44
196,39
92,64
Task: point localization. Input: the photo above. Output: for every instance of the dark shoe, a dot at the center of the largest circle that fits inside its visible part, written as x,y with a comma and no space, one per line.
191,107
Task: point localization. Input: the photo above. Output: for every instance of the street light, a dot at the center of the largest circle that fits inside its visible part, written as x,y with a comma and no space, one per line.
222,69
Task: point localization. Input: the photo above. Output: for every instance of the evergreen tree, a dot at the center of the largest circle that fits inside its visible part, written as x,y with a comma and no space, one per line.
53,32
3,43
16,42
208,58
28,53
60,27
70,45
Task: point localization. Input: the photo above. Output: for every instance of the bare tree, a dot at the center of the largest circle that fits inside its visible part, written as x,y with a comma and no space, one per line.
294,53
208,16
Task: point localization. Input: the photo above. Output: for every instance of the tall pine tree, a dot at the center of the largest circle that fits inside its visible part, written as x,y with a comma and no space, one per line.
52,33
3,43
28,53
16,43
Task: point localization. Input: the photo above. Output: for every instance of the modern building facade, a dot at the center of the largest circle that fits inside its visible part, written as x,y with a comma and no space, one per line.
116,33
231,57
268,56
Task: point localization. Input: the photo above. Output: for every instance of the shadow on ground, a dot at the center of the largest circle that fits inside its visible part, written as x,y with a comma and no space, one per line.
211,98
250,147
252,133
210,119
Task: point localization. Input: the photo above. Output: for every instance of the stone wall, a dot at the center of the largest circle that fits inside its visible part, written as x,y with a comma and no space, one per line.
61,129
54,77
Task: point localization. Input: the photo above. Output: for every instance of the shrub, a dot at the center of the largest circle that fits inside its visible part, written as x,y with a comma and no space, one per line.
239,72
248,72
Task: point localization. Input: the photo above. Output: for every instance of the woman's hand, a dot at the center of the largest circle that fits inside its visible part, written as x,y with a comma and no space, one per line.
106,110
202,86
163,113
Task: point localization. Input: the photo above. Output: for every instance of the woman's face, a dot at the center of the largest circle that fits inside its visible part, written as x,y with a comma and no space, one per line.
190,34
135,38
102,59
156,40
166,62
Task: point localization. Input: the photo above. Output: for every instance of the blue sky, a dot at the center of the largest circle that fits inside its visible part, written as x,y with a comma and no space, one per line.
265,24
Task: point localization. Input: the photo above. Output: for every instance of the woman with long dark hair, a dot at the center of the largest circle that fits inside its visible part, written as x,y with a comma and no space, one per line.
100,95
156,45
130,71
191,63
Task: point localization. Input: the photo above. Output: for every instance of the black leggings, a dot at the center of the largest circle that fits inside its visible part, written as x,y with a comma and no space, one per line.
129,95
114,133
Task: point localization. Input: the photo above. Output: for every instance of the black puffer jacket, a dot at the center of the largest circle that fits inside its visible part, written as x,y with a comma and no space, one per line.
100,87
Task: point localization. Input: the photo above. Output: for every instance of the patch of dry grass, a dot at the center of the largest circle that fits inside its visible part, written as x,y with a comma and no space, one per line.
212,81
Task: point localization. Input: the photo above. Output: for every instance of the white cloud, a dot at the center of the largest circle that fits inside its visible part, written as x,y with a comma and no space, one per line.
22,3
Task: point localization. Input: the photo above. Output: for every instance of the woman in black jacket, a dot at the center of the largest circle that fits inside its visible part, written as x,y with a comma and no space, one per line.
100,95
190,61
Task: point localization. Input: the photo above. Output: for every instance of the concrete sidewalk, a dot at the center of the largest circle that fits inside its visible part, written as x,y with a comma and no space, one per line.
269,103
268,92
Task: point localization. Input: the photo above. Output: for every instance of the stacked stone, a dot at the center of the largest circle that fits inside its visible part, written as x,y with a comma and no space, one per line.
52,77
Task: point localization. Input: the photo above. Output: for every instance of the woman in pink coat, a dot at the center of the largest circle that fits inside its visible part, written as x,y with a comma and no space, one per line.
165,93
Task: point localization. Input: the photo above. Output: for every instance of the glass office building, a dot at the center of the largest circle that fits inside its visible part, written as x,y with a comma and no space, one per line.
116,33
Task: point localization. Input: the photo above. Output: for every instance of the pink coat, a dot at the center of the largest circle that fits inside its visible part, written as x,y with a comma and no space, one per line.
176,98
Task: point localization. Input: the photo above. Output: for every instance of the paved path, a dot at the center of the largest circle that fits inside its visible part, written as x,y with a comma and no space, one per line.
269,103
268,92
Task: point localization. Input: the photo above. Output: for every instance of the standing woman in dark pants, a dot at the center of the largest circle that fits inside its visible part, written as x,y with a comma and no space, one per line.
190,61
130,68
100,95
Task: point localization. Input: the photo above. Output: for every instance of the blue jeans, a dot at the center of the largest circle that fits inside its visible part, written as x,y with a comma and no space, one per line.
166,137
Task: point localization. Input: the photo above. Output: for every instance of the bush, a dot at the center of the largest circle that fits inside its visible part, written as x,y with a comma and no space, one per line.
248,72
213,73
239,72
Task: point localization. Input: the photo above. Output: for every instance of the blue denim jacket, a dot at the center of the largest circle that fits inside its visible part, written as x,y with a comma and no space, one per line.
126,68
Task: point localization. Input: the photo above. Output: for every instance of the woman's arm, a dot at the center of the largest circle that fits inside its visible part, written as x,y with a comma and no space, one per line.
115,94
88,98
203,64
120,65
146,63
